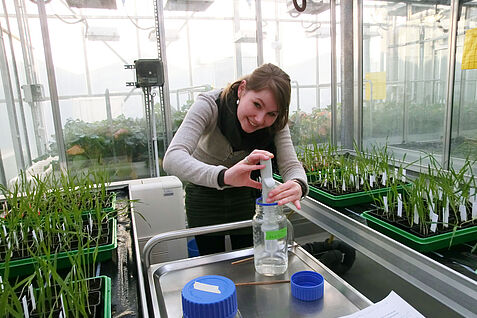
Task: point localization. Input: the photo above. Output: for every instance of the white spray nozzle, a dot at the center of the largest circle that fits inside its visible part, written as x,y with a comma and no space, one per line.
267,179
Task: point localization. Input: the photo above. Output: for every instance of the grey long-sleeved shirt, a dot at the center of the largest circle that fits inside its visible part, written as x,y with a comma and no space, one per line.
199,150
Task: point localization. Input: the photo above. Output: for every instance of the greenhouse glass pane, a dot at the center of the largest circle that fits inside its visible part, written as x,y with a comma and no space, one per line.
405,49
102,119
464,124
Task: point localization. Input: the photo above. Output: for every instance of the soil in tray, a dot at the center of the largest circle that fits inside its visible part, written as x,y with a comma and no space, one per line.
403,224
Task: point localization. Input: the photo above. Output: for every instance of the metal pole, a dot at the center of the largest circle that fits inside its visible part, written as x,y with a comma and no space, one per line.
109,116
455,7
164,90
358,24
347,79
3,178
29,65
10,101
238,46
50,68
334,85
259,36
19,92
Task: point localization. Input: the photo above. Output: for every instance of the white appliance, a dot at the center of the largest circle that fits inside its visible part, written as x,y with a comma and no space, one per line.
160,208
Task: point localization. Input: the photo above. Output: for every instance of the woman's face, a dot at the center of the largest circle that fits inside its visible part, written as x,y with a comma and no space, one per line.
256,110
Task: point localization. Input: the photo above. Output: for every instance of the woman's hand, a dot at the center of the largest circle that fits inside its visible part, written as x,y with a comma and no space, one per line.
239,174
289,191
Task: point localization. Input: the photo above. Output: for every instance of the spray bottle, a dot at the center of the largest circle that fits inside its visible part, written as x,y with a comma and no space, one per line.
269,230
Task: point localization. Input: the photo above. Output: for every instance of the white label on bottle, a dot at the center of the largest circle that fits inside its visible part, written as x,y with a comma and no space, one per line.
434,219
445,216
463,213
207,288
403,178
385,177
416,216
32,296
399,210
385,200
474,210
26,312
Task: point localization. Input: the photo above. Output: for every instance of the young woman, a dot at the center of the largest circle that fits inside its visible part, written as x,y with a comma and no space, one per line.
218,148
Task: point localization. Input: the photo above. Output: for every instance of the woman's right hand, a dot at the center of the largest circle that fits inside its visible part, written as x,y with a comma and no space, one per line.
239,174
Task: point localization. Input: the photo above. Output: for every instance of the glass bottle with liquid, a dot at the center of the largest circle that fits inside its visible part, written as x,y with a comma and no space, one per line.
270,246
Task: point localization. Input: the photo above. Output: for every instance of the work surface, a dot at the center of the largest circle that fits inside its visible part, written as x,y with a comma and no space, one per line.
258,300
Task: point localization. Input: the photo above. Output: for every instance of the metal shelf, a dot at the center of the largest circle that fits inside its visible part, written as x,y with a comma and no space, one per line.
449,287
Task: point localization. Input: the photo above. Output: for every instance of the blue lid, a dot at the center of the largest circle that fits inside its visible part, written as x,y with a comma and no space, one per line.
307,285
209,296
259,201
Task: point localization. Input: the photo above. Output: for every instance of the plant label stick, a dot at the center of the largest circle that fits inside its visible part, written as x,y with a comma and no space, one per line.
474,209
385,201
1,282
416,215
343,187
434,219
356,181
463,213
446,215
25,307
4,229
432,209
32,296
399,211
385,176
403,178
371,180
439,192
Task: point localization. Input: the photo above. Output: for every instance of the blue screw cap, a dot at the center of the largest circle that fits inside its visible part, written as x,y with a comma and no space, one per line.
307,285
210,296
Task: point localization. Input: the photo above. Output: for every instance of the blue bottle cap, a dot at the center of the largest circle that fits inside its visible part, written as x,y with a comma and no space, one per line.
259,201
210,296
307,285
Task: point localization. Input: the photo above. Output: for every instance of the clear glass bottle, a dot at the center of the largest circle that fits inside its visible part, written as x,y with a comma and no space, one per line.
270,247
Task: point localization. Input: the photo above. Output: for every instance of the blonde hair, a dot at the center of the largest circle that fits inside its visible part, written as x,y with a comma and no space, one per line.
267,76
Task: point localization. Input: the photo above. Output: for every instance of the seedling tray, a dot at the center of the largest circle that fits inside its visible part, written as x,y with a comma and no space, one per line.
428,244
19,265
350,199
99,300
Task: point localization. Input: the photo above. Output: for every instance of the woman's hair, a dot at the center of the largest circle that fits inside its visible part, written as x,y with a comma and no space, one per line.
266,76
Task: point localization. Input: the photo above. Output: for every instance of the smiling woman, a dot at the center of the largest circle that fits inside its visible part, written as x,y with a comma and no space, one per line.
219,146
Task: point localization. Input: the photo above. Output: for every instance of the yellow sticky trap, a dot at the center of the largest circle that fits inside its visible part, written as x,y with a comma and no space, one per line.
375,81
469,56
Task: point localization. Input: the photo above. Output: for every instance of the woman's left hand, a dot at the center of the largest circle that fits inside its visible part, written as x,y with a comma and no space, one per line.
289,191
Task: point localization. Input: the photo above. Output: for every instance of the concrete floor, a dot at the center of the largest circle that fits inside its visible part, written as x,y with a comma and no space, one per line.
373,280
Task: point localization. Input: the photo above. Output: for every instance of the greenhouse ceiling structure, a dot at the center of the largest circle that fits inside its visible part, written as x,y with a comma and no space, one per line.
364,73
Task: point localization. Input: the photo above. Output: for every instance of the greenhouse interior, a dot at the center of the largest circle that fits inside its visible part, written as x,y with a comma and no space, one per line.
238,158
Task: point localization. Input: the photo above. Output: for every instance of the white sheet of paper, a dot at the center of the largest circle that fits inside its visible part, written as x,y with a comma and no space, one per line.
391,306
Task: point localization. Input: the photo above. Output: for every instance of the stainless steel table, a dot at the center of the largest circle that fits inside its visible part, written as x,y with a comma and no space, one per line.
166,281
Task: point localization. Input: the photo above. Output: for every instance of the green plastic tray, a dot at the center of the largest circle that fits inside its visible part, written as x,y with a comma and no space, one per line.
346,200
107,296
26,266
420,244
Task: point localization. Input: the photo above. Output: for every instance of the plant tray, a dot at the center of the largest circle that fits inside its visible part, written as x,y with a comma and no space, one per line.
110,208
99,297
346,200
428,244
25,266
